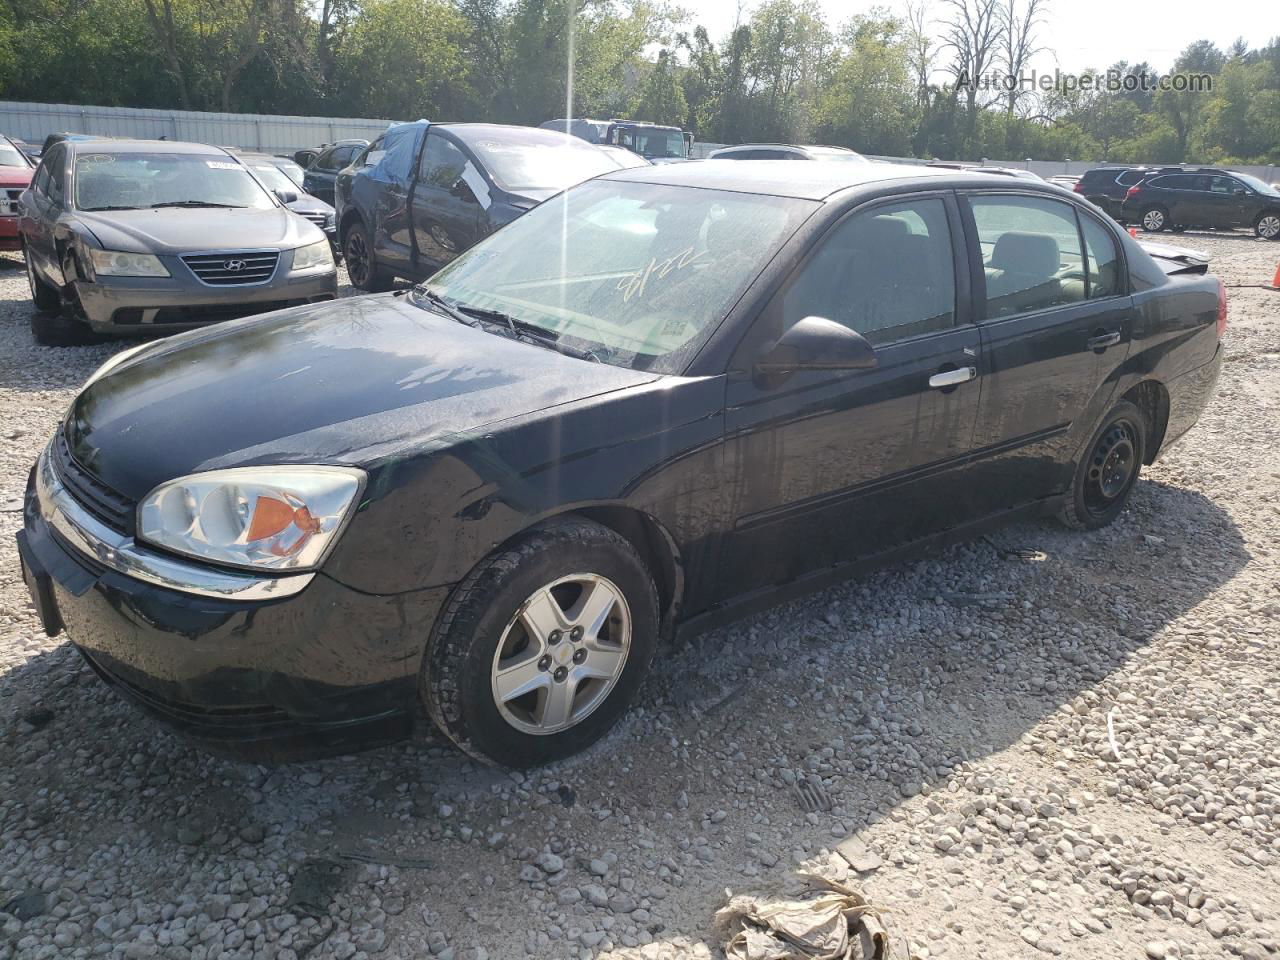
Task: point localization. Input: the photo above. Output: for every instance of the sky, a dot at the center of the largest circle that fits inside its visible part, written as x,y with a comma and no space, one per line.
1082,33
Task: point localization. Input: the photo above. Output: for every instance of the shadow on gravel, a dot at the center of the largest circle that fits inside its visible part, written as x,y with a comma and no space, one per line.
865,691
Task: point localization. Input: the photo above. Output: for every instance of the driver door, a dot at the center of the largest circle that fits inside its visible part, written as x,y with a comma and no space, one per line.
445,208
832,467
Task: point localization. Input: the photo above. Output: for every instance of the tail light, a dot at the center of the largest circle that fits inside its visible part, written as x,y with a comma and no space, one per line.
1222,309
1131,193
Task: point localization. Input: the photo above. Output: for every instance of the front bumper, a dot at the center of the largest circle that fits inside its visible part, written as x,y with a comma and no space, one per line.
135,305
323,669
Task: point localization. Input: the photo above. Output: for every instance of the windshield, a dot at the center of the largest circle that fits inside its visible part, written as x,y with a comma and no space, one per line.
653,143
1259,185
552,164
639,274
106,180
290,170
273,177
11,156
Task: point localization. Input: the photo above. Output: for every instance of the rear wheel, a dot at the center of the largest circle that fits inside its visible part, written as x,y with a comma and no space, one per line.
1267,226
541,648
1107,472
362,264
1154,219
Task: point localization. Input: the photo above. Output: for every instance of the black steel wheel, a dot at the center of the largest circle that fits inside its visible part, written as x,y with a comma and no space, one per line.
1105,475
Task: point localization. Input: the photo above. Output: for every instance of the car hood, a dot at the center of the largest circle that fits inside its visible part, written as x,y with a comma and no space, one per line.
353,381
309,204
175,230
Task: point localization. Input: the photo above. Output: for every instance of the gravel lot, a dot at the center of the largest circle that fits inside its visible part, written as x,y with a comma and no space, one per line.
955,712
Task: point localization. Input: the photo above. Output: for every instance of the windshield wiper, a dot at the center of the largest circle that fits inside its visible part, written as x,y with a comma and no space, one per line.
530,332
198,203
444,306
100,209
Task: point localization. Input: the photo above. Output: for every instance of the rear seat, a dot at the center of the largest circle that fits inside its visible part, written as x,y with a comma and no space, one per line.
1025,273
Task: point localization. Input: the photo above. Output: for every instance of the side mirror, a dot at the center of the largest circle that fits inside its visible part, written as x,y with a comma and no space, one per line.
816,343
286,196
462,190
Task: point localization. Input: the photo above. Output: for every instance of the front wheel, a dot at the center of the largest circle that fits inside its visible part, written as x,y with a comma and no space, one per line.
1267,226
362,263
1105,475
43,296
541,648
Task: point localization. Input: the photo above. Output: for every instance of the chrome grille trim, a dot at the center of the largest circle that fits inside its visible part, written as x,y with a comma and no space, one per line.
220,270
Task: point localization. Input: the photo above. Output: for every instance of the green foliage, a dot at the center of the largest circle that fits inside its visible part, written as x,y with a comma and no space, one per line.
787,73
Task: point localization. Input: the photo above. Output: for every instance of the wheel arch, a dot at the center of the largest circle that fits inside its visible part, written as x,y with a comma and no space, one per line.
350,216
1152,398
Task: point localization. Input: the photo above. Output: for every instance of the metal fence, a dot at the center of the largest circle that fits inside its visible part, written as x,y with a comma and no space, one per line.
272,134
280,134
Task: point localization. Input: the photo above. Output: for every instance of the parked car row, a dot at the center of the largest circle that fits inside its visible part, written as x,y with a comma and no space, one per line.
641,406
1175,198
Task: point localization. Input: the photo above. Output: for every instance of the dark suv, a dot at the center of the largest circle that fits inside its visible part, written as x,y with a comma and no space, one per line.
323,170
1205,197
1105,187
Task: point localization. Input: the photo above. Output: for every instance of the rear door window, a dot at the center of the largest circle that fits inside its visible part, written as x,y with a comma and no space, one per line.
887,273
1031,256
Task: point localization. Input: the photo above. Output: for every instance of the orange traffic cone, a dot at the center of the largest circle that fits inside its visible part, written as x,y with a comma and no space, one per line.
1275,282
1133,232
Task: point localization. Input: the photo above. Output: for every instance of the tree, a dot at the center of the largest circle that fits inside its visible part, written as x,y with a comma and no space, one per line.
661,100
1018,22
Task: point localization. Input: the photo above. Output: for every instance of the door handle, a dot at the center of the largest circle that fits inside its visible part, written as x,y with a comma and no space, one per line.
952,378
1101,341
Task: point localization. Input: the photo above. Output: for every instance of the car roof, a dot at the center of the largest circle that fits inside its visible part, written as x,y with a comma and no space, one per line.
144,146
800,179
468,132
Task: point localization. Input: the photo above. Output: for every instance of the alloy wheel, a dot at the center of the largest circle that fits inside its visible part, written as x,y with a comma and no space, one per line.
1112,466
562,654
357,258
1269,227
1153,220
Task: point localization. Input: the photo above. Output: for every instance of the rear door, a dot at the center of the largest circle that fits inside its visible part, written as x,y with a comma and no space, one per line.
836,466
445,208
1056,321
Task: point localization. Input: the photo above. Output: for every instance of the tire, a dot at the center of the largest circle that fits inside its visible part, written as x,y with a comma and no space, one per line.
362,264
1267,226
43,296
489,629
1106,473
1154,219
65,326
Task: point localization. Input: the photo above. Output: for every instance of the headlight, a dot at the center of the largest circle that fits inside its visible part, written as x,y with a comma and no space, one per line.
313,255
114,362
117,263
277,518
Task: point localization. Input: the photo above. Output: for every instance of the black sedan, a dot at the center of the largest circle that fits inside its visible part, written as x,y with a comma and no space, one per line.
647,404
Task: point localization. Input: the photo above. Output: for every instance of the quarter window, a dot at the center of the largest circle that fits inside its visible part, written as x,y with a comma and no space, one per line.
886,273
1130,177
1030,253
1104,260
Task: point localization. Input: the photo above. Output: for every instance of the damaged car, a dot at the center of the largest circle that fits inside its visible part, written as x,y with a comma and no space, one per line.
129,237
651,404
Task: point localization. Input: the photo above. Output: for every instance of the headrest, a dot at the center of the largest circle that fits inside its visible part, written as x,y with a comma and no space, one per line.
1032,253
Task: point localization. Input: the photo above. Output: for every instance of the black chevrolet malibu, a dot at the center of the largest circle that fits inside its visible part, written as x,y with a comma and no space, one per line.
650,403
